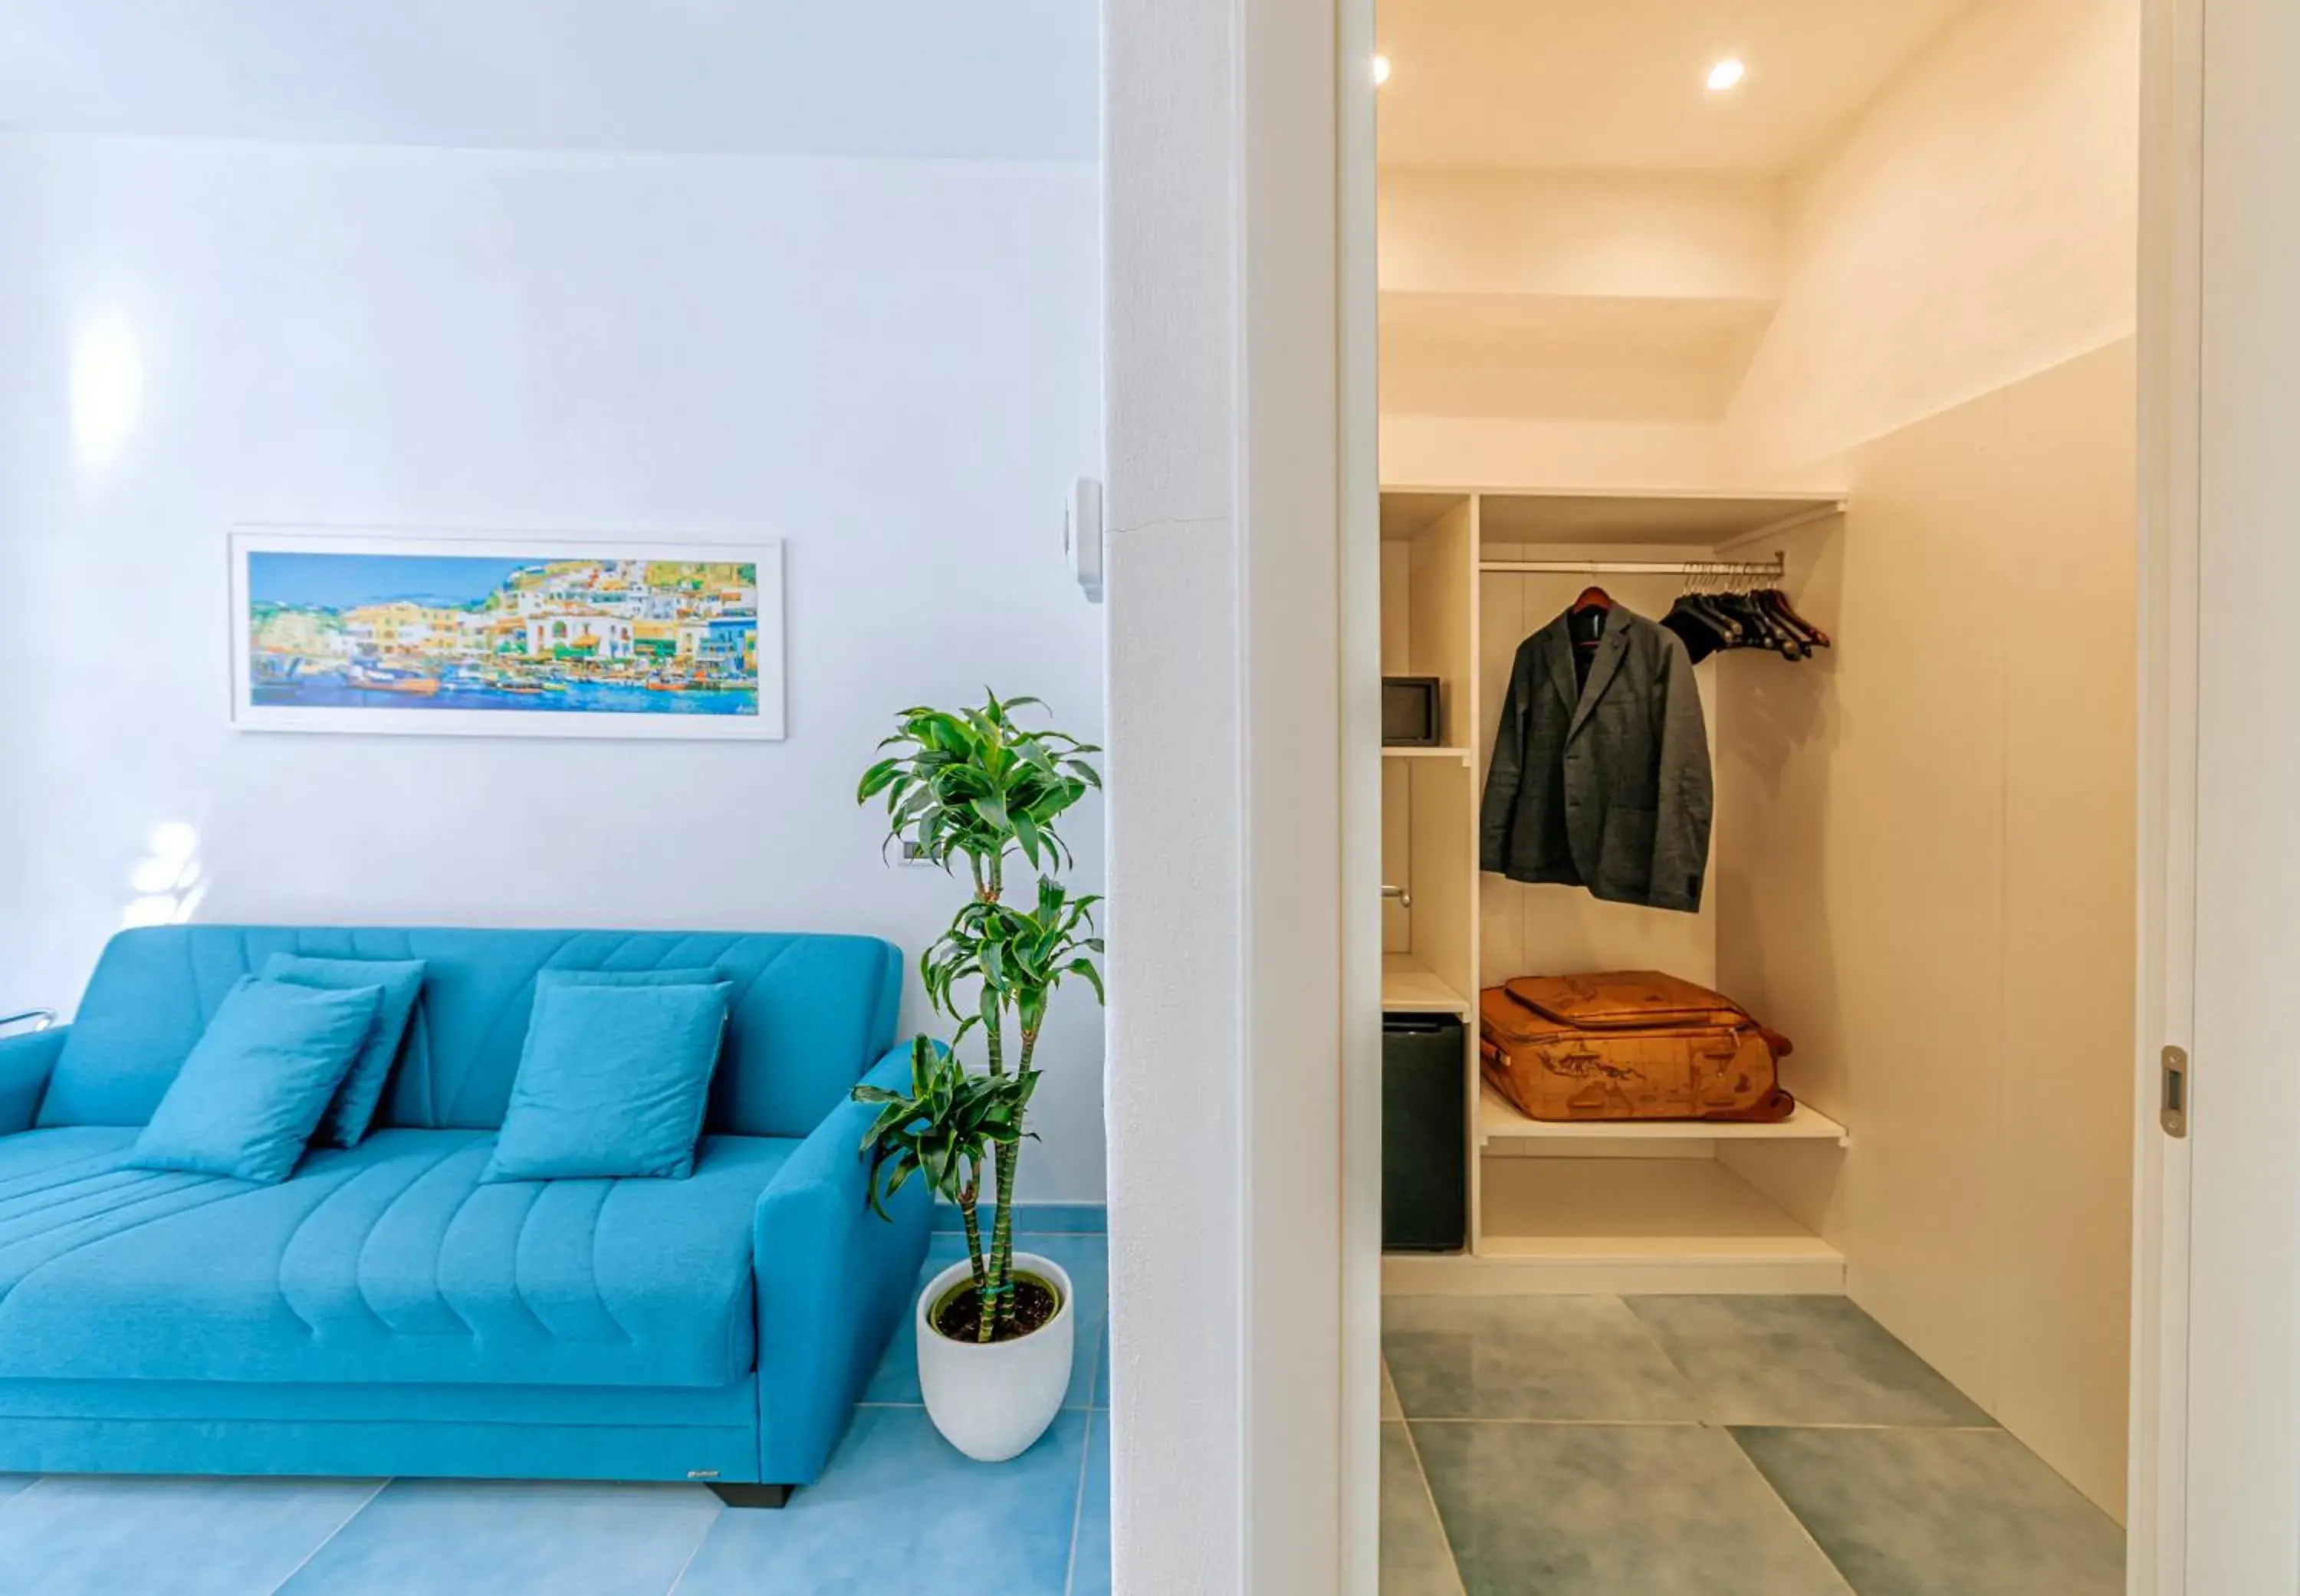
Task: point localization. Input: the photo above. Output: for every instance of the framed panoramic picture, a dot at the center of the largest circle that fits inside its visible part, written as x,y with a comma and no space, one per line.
505,635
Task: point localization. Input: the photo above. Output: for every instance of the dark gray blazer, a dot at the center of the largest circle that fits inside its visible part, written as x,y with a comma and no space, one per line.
1605,785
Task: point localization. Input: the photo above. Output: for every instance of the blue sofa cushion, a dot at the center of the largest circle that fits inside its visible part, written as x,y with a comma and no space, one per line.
389,1262
613,1083
402,983
548,981
810,1014
257,1082
74,1187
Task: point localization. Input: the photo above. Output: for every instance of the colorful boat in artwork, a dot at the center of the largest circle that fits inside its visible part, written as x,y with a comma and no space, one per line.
389,678
275,670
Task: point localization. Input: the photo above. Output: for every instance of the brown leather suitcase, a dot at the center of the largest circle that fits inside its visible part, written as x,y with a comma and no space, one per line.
1636,1044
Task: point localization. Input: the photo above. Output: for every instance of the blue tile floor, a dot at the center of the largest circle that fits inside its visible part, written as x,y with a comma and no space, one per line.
897,1508
1735,1446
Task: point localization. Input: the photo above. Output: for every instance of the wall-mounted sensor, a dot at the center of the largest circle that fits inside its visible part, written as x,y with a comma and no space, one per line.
1083,536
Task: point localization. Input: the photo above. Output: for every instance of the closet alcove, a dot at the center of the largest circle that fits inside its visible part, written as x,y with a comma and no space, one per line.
1867,309
1652,1206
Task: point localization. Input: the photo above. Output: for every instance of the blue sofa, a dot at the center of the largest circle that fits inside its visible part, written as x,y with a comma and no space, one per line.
384,1313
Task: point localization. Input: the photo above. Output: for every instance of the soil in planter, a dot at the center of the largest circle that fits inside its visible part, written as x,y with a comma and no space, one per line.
959,1317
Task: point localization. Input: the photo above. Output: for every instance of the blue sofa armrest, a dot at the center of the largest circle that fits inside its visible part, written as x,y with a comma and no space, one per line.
26,1062
834,1282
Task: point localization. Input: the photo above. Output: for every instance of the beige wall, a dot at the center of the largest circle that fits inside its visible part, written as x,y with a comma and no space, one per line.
1501,452
1930,886
1976,223
1649,235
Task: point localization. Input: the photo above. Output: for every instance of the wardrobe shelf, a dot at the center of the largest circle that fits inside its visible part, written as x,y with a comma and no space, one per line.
1640,1225
1693,518
1418,752
1633,1207
1498,1120
1799,1271
1409,986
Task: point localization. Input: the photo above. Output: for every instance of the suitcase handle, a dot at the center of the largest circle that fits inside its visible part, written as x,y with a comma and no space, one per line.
1656,1020
1653,1017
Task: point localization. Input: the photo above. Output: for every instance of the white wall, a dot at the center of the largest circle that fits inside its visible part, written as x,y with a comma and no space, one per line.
901,77
893,365
1228,592
1176,833
1976,225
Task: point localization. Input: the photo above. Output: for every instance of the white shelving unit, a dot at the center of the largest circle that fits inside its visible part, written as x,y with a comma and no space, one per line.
1626,1225
1689,519
1409,986
1498,1120
1589,1207
1458,755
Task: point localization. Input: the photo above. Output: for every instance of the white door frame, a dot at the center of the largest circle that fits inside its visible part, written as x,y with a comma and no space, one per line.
2233,745
2168,370
1243,759
1360,553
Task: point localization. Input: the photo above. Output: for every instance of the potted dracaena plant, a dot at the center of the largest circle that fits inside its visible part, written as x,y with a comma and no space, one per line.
974,787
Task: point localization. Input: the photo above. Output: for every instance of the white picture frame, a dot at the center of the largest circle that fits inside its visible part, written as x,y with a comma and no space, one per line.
380,631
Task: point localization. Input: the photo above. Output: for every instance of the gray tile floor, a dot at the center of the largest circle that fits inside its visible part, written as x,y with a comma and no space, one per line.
1704,1446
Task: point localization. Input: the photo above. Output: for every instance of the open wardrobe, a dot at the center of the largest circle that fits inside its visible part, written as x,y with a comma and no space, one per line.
1758,620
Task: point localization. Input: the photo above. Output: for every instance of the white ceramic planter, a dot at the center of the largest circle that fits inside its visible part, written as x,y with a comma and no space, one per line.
992,1401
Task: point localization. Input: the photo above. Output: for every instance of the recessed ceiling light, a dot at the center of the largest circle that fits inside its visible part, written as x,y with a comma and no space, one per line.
1725,74
1380,70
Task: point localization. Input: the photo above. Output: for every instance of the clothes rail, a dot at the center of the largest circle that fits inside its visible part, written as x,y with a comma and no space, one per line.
1773,569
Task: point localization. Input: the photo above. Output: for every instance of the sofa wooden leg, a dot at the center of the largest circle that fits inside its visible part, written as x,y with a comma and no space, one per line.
752,1496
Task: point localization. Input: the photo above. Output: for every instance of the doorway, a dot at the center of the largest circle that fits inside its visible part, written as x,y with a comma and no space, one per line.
1681,307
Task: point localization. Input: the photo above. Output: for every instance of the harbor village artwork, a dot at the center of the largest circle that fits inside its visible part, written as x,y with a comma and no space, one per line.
494,637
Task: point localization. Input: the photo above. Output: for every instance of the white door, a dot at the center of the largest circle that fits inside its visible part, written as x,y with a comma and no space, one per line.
2242,1496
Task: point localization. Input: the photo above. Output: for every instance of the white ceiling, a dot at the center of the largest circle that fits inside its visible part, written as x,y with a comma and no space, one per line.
1614,83
928,77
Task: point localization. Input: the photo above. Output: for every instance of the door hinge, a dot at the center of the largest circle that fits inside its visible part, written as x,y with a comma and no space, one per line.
2172,1099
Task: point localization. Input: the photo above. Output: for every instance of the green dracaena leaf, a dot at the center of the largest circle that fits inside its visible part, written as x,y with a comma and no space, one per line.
1025,833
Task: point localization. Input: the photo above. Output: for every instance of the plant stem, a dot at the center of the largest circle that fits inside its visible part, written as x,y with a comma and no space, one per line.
1002,1232
991,878
966,1199
1002,1224
1001,1235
